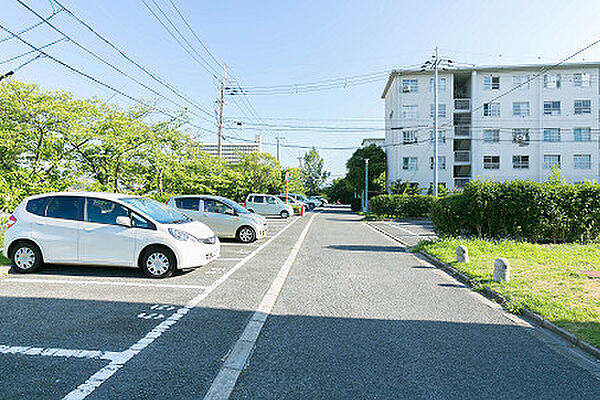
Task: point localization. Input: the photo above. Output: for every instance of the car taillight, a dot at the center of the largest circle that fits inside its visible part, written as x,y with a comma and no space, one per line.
11,221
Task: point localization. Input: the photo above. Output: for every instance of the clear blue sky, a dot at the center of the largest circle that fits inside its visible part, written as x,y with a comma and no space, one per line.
267,43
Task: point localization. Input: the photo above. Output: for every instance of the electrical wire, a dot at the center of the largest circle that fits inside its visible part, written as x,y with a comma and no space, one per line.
32,51
54,13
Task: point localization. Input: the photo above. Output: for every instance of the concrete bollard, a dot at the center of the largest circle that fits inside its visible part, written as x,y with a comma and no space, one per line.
462,254
501,270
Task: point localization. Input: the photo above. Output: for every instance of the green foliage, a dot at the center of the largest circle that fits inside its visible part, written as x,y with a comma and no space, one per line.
356,204
377,167
295,184
522,210
401,206
313,174
405,188
341,190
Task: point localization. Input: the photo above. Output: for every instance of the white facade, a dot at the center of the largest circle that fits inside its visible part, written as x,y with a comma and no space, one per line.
233,152
492,128
376,141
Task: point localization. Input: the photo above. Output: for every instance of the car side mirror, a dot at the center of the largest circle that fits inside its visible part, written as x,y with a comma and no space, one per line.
124,221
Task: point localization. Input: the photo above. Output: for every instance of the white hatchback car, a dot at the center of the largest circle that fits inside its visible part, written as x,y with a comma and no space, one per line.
224,216
267,204
106,229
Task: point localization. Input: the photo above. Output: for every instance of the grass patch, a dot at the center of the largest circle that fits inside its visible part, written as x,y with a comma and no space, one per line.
546,279
3,260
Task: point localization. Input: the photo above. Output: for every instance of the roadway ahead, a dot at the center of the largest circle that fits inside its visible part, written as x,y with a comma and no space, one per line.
344,313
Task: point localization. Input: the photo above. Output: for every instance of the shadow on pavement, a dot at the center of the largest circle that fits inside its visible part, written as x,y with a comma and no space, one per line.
373,248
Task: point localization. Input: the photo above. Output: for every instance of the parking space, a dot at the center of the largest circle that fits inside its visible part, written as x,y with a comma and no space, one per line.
410,232
94,320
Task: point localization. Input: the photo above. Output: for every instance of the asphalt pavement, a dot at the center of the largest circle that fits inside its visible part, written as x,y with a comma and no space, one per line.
355,316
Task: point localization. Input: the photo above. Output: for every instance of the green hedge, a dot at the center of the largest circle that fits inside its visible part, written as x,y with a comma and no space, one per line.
522,210
401,206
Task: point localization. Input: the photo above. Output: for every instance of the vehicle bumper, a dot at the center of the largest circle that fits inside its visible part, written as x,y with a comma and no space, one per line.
197,255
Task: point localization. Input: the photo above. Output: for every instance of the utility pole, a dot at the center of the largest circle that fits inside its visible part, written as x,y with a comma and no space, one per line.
300,161
434,64
366,209
221,107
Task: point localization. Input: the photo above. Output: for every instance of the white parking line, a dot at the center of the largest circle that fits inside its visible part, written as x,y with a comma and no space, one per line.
100,283
56,352
227,377
97,379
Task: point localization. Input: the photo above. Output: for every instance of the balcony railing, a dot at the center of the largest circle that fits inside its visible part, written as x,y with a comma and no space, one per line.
462,105
462,131
460,183
462,156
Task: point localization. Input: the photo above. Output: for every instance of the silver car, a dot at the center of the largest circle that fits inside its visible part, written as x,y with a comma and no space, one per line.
224,216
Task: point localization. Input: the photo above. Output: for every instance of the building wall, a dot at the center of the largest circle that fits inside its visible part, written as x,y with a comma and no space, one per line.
534,93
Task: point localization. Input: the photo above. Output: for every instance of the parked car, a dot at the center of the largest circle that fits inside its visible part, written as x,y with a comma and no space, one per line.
267,204
300,197
299,208
317,200
323,199
106,229
224,216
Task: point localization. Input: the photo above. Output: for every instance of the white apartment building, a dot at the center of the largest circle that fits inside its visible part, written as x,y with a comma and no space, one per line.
499,123
233,152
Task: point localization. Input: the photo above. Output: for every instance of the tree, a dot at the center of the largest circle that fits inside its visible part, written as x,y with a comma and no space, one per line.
295,184
340,190
313,174
377,167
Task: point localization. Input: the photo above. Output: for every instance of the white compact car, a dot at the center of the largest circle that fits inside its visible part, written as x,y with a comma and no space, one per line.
267,204
224,216
311,204
106,229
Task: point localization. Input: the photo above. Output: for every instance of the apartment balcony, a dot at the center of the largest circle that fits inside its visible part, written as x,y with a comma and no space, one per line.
462,131
462,105
462,157
462,171
459,183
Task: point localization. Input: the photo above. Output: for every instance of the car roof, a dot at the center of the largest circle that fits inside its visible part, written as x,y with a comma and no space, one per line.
102,195
206,196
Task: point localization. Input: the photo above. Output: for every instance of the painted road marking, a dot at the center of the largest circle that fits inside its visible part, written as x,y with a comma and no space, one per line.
227,377
56,352
150,315
97,379
101,283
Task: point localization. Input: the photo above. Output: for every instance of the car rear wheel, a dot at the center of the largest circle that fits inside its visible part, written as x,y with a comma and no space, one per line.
26,257
284,214
158,262
246,234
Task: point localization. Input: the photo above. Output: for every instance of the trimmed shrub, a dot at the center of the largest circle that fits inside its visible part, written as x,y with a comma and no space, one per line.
402,206
356,205
523,210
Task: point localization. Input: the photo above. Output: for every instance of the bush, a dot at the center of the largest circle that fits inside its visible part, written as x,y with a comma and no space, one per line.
401,206
356,205
523,210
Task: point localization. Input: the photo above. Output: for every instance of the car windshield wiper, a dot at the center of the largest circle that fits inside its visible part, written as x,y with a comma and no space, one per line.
181,221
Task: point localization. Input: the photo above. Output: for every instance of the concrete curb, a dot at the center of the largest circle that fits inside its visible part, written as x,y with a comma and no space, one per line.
498,298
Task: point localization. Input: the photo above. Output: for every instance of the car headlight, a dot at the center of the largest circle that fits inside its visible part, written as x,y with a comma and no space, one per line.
210,240
181,235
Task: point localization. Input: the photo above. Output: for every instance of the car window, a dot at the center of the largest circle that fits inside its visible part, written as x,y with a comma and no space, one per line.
37,206
215,206
259,199
65,207
104,211
188,203
160,212
141,222
271,200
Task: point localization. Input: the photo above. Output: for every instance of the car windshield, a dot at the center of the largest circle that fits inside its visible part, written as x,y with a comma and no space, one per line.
161,213
239,209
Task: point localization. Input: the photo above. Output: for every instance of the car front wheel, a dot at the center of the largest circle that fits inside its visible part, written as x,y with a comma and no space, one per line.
246,234
158,262
26,257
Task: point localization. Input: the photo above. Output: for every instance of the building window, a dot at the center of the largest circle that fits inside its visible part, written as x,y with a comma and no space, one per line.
491,135
520,162
441,162
521,136
409,163
552,108
441,84
582,161
409,85
409,112
491,109
521,81
581,79
552,81
441,110
551,160
521,109
409,137
491,83
491,162
583,107
441,136
582,135
551,134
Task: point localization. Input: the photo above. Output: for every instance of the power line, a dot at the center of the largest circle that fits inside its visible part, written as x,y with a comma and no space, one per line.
144,69
54,13
32,51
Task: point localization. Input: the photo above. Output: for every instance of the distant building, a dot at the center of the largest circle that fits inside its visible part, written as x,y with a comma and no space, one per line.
376,141
495,123
233,151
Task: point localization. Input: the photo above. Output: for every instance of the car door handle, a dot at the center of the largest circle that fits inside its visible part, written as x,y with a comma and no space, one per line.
40,222
88,229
